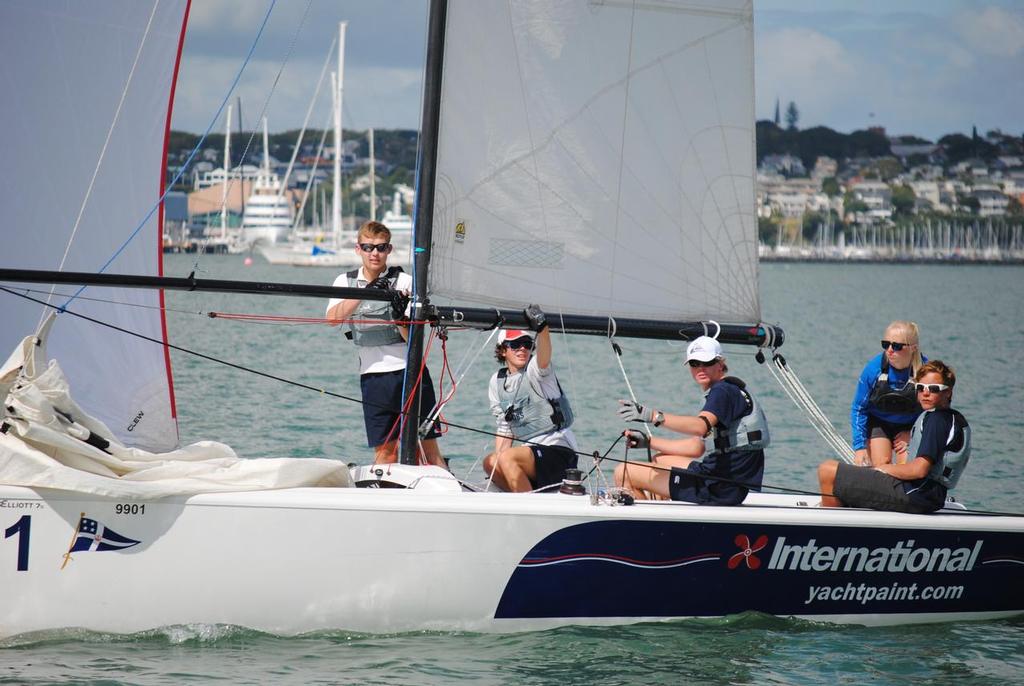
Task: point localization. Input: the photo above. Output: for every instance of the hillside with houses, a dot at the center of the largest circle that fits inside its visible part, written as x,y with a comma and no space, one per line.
821,194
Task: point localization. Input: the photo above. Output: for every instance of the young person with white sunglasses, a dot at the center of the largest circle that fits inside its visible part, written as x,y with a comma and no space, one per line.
934,457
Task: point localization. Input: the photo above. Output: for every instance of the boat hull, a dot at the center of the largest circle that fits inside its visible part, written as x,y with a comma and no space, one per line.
386,560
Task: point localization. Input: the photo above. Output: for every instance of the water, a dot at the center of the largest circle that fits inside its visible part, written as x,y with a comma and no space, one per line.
833,315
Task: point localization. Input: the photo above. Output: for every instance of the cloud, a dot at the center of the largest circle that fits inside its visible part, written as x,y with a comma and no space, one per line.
803,66
993,31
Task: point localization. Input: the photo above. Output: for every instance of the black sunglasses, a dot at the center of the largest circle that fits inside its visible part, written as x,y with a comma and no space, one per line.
895,346
700,363
379,247
516,345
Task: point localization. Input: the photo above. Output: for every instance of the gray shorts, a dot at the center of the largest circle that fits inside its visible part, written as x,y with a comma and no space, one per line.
868,487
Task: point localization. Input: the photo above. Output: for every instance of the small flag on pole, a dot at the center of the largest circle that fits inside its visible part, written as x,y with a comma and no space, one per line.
90,535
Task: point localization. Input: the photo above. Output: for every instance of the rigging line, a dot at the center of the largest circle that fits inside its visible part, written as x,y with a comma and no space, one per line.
184,166
103,149
120,303
312,173
622,145
617,354
332,394
796,391
270,94
309,113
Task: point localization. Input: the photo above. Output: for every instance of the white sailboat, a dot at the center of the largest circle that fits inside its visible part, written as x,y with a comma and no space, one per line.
600,123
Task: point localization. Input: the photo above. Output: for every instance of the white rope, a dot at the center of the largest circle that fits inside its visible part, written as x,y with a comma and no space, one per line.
616,352
797,392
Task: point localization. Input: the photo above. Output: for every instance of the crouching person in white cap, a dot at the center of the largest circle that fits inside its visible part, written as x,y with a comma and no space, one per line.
529,406
721,458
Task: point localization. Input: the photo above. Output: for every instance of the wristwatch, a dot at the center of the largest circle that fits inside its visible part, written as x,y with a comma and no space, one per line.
659,418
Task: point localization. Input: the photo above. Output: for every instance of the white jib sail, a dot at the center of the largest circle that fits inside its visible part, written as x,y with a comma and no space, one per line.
86,98
598,158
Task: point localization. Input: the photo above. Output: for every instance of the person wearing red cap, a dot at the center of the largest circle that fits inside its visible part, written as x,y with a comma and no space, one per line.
529,406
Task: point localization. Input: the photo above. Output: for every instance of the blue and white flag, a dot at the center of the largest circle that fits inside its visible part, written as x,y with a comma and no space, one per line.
92,535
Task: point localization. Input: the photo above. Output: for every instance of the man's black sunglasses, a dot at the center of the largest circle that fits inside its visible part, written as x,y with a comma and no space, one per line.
379,247
516,345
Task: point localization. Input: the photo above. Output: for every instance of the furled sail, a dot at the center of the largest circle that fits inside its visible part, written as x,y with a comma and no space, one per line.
87,95
598,158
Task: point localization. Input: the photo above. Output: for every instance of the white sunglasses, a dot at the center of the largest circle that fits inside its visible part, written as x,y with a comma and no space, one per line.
931,387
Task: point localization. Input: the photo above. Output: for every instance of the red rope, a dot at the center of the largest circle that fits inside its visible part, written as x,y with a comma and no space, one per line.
307,320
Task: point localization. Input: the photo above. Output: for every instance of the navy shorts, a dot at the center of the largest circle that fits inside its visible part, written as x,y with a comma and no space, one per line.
550,463
686,484
382,403
867,487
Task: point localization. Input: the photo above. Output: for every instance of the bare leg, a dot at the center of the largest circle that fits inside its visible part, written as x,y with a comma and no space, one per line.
644,477
880,450
432,453
899,444
826,483
512,468
386,453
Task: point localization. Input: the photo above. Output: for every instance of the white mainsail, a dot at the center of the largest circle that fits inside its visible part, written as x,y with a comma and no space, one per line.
598,158
91,137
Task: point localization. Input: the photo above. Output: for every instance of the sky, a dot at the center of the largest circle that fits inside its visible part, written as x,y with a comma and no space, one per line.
922,67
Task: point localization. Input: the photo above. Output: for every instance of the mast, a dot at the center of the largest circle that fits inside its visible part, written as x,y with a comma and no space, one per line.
227,171
373,182
241,162
423,225
338,89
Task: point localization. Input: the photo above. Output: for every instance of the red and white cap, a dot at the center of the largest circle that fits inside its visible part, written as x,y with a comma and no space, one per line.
513,334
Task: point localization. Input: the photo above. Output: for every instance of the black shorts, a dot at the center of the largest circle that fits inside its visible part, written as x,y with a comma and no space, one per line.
550,463
868,487
879,428
382,404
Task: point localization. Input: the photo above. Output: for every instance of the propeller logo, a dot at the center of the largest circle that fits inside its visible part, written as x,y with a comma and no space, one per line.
747,551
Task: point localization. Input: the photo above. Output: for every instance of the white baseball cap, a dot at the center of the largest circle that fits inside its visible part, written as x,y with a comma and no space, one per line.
704,349
513,334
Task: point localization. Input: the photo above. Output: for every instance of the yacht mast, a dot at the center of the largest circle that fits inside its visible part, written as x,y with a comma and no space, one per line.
337,89
373,182
227,171
423,226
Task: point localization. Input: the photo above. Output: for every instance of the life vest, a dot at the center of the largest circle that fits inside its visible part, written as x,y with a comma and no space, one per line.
528,412
892,400
363,332
954,460
749,432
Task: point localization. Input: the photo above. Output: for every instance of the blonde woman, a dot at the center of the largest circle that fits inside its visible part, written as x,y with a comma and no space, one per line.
885,404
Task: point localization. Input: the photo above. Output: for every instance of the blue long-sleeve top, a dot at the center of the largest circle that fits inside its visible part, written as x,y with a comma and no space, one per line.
860,408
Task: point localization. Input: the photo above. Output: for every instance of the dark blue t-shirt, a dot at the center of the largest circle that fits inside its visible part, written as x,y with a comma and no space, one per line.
727,402
935,433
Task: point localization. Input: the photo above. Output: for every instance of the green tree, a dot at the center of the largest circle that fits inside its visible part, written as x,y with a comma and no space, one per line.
792,116
830,187
903,200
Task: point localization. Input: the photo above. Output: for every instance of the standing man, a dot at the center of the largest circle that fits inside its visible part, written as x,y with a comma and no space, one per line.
529,405
381,345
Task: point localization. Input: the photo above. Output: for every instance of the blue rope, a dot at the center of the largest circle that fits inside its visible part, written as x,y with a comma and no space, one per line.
188,161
